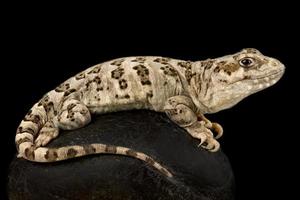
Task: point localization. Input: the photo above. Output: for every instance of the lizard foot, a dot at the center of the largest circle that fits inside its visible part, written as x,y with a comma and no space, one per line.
211,145
205,136
214,127
46,134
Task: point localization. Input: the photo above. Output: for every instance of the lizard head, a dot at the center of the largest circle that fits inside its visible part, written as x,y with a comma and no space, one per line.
231,78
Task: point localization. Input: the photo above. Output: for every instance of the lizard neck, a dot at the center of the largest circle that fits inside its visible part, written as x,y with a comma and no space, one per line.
198,86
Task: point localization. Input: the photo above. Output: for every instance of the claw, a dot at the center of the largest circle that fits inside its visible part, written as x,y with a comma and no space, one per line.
218,129
212,145
216,147
202,137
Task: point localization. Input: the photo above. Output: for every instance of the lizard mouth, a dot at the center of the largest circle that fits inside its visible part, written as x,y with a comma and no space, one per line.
272,75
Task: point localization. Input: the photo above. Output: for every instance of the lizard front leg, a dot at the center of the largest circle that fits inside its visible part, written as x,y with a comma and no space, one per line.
182,111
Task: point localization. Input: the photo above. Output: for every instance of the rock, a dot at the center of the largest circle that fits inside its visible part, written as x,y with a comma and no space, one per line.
198,174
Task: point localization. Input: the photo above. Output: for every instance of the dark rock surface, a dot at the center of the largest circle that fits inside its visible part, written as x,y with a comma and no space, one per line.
198,173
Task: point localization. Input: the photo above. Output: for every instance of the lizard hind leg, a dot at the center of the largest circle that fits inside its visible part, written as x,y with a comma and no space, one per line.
74,114
46,134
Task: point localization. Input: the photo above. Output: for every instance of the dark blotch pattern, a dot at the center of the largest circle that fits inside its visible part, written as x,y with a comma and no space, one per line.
139,60
188,70
123,84
68,92
62,87
143,73
95,70
89,149
71,153
110,149
26,130
51,155
163,61
80,76
149,160
117,73
169,70
117,62
131,153
29,153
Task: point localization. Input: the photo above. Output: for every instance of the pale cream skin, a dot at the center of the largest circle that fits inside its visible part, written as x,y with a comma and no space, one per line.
184,90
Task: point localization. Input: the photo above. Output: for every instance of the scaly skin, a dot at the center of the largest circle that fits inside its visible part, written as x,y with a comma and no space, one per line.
184,90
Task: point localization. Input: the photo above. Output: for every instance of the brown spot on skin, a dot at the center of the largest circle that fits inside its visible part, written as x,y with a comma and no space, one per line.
169,70
99,89
117,62
123,84
80,76
127,96
51,155
26,130
224,81
131,153
67,93
29,153
143,72
95,70
231,67
162,60
189,75
110,149
22,140
187,64
87,85
139,60
71,106
146,82
150,94
33,118
97,80
207,64
89,149
44,100
217,69
48,107
226,67
117,73
71,153
149,160
62,87
117,96
228,72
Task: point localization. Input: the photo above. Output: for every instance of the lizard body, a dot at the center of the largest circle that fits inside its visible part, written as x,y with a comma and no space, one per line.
185,90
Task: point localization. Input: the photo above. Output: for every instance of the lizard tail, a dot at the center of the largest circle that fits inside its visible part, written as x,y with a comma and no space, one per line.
44,154
29,128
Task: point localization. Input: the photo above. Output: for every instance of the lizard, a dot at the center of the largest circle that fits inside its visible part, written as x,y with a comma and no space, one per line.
184,90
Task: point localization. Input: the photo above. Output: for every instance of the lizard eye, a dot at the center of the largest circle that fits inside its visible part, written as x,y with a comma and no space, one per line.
246,62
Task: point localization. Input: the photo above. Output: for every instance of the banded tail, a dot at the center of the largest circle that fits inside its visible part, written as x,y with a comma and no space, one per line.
36,119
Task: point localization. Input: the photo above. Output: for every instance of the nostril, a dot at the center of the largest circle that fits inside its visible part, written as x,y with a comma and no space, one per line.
274,63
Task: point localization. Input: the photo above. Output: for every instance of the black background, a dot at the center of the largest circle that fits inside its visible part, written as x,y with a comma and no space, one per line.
44,49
